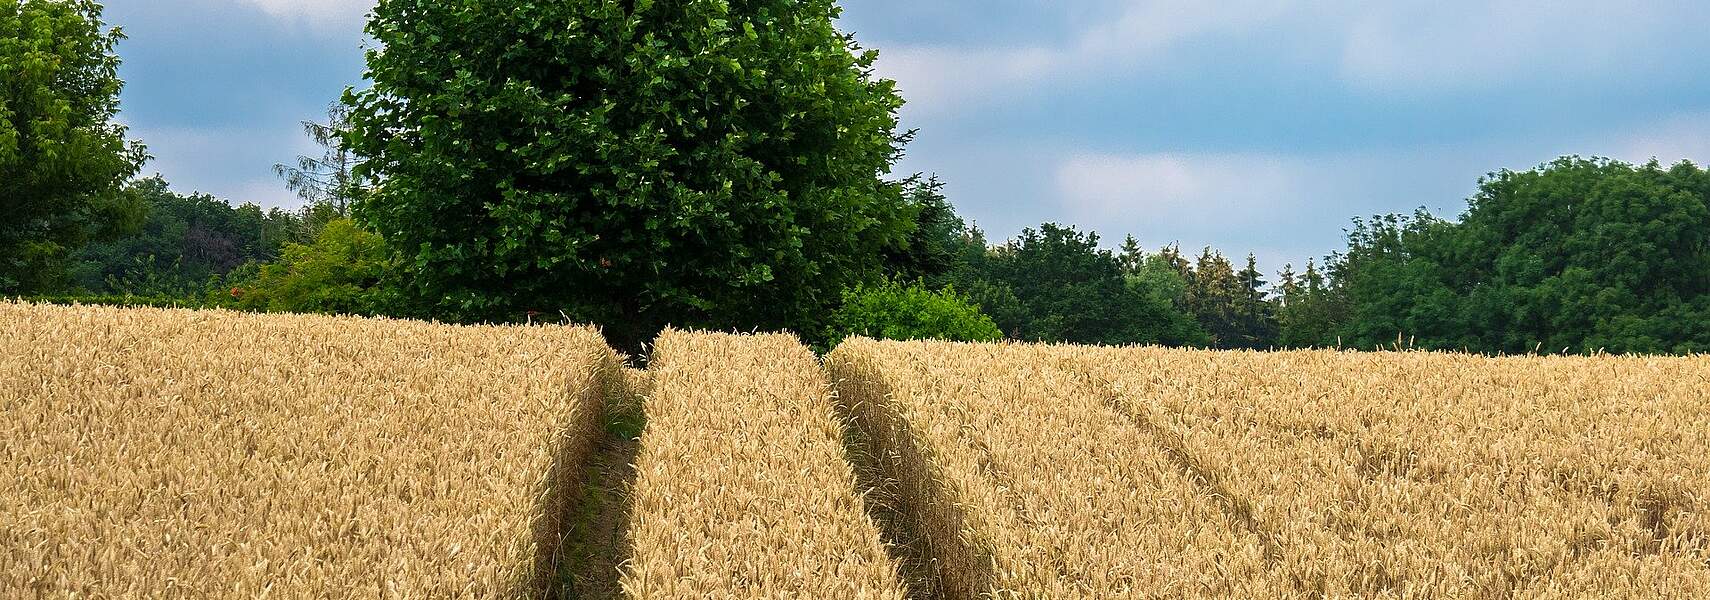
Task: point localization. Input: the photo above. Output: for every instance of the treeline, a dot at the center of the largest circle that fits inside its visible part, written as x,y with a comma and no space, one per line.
1578,255
734,173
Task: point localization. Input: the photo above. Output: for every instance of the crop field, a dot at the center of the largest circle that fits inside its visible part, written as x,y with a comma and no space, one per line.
1041,471
158,453
165,453
742,482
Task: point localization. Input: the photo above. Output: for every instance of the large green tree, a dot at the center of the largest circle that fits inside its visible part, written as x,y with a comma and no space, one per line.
63,161
715,163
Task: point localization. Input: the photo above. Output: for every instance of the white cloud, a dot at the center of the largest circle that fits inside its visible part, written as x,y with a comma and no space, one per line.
1179,187
1415,46
330,14
234,164
945,78
1295,206
1286,207
1405,47
1682,137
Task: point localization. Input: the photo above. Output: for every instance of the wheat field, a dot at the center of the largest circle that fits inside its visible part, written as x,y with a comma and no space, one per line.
743,491
176,454
1300,474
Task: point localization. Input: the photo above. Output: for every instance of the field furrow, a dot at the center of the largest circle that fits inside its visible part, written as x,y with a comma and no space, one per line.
742,490
1022,484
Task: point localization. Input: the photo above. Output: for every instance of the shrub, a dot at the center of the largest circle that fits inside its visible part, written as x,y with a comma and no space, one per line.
893,311
341,273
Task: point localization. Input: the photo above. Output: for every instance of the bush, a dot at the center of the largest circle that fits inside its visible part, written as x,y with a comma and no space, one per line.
123,300
893,311
341,273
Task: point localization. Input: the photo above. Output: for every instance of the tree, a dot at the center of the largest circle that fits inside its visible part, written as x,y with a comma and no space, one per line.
692,162
342,272
935,247
183,243
331,183
1213,293
1164,291
1578,254
1254,313
1130,256
1055,284
1306,317
63,159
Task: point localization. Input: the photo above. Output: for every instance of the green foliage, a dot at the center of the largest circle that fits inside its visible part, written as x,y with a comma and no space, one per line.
63,160
893,311
1307,314
695,162
935,249
184,242
1055,284
1163,291
1578,255
125,300
343,272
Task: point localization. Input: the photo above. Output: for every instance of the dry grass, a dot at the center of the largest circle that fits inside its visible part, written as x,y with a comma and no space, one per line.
156,453
1041,471
742,489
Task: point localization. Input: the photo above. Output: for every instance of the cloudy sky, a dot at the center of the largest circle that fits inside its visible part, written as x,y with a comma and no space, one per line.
1250,125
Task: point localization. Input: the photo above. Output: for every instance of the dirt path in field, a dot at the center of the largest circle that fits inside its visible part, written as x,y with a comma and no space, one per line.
885,506
598,544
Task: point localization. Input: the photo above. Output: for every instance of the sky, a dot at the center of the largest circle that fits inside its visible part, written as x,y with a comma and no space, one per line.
1257,126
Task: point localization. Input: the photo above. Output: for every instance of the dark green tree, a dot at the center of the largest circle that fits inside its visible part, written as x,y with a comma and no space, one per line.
1164,292
1055,284
63,159
1254,313
1578,255
1213,296
183,243
709,163
936,246
1306,315
1130,256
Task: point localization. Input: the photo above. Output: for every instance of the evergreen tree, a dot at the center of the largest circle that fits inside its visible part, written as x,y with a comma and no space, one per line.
1130,256
1253,311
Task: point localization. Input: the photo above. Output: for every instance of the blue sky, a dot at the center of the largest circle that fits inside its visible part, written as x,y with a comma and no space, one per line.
1249,125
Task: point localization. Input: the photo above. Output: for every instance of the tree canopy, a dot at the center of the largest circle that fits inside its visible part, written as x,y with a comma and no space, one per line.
1055,284
63,159
1578,255
707,163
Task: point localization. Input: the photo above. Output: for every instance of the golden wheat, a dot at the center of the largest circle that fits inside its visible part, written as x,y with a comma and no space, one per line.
1448,475
1021,485
162,453
1327,474
742,489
